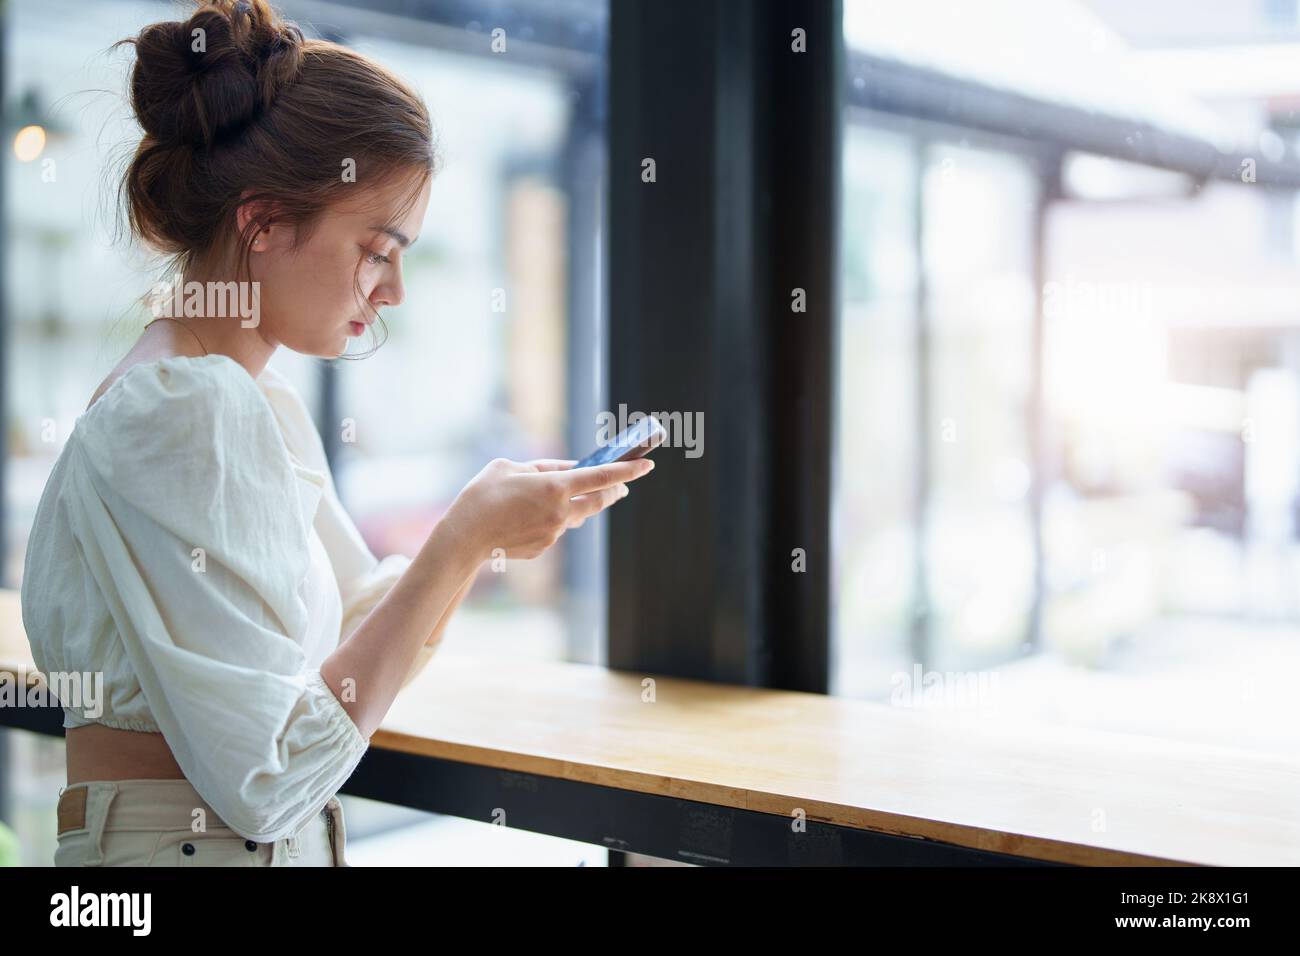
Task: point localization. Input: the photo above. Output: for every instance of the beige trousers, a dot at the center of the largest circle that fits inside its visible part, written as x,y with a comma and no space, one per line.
155,823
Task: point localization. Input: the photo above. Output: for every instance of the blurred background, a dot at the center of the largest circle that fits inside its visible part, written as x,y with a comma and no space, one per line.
1067,435
467,373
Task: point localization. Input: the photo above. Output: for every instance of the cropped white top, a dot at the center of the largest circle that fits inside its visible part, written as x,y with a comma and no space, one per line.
190,545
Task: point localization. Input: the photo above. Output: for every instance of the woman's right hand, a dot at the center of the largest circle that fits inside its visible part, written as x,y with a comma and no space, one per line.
524,507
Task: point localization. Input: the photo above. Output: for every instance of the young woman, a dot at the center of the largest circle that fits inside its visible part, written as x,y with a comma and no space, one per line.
190,548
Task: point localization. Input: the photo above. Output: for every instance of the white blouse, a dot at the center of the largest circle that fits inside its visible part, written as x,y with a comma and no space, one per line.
190,545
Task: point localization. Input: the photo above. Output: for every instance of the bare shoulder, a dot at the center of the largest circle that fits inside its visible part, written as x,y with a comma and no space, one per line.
159,340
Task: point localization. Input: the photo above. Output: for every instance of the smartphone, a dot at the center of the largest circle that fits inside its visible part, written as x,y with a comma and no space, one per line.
635,441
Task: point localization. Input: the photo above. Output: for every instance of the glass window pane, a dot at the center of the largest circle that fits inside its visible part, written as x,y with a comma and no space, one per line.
979,555
1097,388
876,434
497,350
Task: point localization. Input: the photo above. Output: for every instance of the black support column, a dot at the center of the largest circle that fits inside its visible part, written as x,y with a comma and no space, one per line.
744,132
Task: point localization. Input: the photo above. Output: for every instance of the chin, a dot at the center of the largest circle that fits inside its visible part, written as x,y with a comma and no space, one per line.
328,351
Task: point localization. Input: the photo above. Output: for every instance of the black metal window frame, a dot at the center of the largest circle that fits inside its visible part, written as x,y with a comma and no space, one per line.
693,309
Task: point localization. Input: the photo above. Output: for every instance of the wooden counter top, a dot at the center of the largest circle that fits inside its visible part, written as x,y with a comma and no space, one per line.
1037,790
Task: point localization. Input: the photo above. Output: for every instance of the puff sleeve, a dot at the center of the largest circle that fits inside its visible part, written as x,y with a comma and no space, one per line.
363,579
193,523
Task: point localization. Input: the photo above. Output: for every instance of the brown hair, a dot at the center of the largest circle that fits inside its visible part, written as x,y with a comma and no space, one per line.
236,106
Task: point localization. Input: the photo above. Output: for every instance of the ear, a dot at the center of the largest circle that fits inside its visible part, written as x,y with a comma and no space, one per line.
263,213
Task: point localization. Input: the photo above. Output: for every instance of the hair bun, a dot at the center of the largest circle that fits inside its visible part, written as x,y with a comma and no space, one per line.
207,78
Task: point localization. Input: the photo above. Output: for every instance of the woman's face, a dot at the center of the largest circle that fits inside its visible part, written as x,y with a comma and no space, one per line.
309,300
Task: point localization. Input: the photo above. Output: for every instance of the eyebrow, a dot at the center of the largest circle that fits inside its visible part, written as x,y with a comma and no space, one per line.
401,238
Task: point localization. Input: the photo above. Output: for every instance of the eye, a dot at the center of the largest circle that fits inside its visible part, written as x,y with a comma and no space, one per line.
375,258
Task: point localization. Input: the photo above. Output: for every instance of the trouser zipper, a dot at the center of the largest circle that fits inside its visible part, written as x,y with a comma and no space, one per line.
329,822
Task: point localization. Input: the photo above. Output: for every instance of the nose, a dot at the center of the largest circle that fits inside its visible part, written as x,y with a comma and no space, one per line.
389,292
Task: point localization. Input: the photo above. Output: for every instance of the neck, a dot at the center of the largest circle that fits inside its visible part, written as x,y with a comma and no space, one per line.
224,316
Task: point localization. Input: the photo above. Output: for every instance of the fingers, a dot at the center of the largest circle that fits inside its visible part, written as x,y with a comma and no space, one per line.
584,506
580,481
553,464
